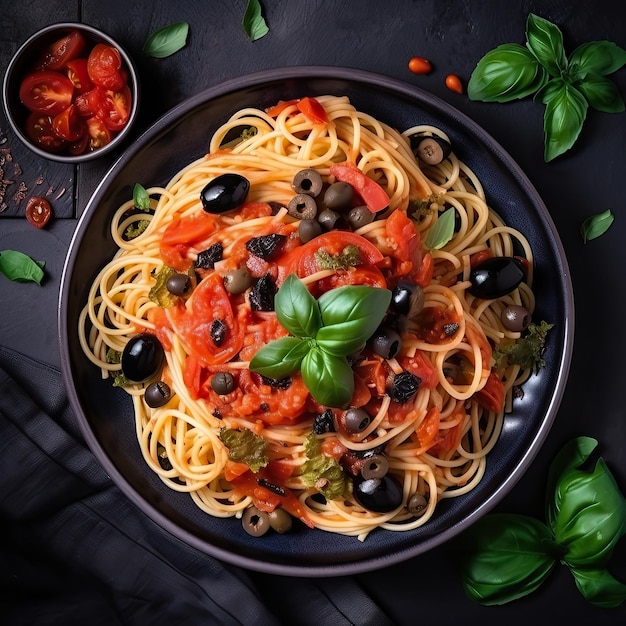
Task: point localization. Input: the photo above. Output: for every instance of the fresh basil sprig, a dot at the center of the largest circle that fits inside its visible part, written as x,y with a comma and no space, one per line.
442,231
323,333
141,199
167,40
505,557
253,22
566,86
19,267
596,225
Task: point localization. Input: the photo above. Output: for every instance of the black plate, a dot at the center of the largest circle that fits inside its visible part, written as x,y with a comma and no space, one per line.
105,414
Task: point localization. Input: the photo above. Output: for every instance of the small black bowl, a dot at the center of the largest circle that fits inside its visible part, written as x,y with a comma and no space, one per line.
22,64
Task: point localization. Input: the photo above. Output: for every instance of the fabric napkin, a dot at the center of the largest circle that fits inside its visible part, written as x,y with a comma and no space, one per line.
75,550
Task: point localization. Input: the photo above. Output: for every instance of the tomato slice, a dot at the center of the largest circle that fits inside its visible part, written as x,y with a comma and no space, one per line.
116,108
194,322
404,243
56,56
78,75
38,211
99,134
420,365
183,234
104,66
374,196
39,130
313,110
68,125
46,92
279,107
491,396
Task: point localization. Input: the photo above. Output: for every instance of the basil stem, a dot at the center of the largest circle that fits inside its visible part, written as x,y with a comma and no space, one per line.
596,225
167,40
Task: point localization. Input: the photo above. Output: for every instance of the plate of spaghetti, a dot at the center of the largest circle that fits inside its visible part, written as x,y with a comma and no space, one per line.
315,321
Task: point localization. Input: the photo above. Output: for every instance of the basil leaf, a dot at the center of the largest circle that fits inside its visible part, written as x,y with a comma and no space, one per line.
296,309
506,73
590,515
599,587
597,57
505,557
253,22
601,93
596,225
141,199
442,231
20,268
545,40
167,40
244,446
350,315
566,109
321,471
280,357
572,455
329,378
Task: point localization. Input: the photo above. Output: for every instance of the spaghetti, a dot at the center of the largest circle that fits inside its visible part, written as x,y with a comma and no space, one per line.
435,443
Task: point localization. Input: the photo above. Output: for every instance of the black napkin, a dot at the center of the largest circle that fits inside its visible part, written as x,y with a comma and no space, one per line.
75,550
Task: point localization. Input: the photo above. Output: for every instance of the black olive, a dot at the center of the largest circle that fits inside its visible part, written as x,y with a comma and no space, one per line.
404,387
225,193
309,229
280,520
237,281
386,342
338,196
308,182
356,420
142,357
178,284
302,207
433,150
208,258
515,318
327,219
360,216
278,383
255,522
157,394
324,422
417,505
407,298
219,330
265,246
223,383
262,294
379,495
375,466
496,276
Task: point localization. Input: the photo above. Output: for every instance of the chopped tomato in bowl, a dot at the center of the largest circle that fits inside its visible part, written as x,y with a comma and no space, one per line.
71,93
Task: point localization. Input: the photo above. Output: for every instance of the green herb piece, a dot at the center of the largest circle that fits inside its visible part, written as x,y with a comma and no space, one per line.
321,471
20,268
325,332
167,40
141,199
350,256
114,357
505,557
248,133
566,86
135,229
159,293
596,225
527,351
253,22
244,446
120,380
442,231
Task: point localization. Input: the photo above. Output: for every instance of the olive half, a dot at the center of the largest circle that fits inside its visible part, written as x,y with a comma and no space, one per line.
497,276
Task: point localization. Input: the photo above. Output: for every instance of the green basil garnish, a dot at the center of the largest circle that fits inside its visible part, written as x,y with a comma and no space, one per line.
20,268
167,40
141,199
596,225
244,446
442,231
324,332
253,22
566,86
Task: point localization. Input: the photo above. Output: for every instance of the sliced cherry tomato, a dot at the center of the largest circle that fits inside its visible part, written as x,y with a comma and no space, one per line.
46,92
279,107
56,56
116,108
68,125
362,275
374,196
403,242
420,365
104,66
194,323
429,428
38,211
80,145
99,134
491,396
436,324
77,73
313,110
183,234
39,130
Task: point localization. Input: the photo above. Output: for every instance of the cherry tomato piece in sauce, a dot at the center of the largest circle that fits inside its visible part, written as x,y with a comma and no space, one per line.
68,124
46,92
77,73
99,134
56,56
38,211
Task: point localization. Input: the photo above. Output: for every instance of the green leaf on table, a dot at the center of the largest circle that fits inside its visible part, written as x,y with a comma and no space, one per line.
441,232
296,309
329,378
596,57
253,22
279,358
20,268
167,40
599,587
545,40
508,72
596,225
